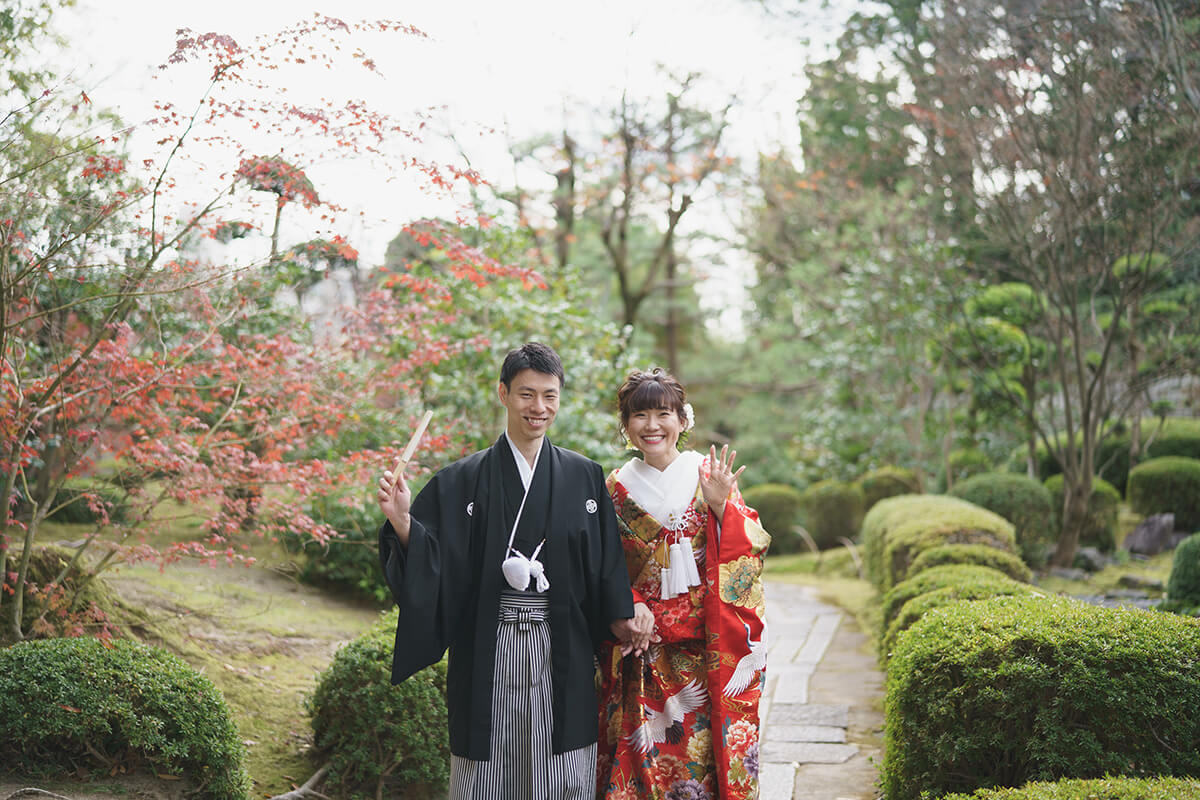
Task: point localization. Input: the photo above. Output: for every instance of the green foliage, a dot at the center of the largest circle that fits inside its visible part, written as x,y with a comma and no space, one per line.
887,482
833,510
1167,484
778,506
969,525
1004,691
375,733
888,513
63,599
1100,525
932,579
1015,303
963,464
920,605
983,555
1183,586
351,562
88,502
1094,789
1024,502
68,701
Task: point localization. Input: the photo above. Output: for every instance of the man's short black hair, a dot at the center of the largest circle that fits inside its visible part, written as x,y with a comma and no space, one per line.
531,355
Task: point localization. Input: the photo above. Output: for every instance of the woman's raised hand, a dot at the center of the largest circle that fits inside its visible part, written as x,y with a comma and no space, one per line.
721,478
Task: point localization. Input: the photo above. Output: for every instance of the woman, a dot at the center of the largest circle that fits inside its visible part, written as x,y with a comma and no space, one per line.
679,705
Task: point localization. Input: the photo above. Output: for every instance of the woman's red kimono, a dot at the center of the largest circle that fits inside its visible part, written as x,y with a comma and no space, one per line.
668,728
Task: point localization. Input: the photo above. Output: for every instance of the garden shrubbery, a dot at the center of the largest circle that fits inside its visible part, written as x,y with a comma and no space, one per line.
1094,789
1100,526
1024,502
349,563
1004,691
833,510
82,502
1167,484
963,464
377,735
1183,585
65,702
984,555
778,507
887,482
933,579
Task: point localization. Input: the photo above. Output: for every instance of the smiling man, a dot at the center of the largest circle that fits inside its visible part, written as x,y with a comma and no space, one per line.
510,558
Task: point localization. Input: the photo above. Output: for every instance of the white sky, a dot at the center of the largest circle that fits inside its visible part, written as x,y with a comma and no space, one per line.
516,66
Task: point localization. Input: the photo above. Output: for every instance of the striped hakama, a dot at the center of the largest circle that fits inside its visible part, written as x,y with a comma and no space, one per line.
522,764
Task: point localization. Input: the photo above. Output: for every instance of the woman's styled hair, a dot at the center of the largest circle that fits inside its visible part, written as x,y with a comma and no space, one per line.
655,389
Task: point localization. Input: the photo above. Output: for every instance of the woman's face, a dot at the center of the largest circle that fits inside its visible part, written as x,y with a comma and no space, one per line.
655,432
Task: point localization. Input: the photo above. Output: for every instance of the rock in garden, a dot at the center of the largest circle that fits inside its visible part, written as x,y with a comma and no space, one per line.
1070,574
1091,559
1152,535
1141,582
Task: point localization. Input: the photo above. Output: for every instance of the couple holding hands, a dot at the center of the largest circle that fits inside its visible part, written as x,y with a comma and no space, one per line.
606,636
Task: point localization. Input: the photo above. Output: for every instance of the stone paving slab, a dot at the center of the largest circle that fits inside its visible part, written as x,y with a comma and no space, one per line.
777,780
791,683
809,714
808,733
808,752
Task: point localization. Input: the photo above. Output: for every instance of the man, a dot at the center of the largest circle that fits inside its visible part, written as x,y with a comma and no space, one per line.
510,558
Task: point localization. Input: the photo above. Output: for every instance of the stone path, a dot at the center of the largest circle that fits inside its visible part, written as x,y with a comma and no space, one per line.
822,709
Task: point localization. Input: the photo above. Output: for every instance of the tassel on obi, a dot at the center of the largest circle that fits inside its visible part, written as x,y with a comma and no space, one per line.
680,573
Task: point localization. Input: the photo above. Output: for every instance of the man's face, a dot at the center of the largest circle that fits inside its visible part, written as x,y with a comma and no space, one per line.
532,401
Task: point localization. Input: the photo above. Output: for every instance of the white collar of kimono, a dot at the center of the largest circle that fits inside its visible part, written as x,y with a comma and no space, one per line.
523,465
665,494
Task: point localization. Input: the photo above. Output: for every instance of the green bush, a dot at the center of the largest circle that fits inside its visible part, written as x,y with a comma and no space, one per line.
349,563
1183,585
1014,689
77,502
376,734
1095,789
833,510
1167,484
932,579
887,482
983,555
778,507
1022,501
963,464
64,702
1100,526
918,606
967,525
888,513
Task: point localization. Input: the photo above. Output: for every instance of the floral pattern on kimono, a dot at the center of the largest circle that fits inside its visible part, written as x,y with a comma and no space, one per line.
667,729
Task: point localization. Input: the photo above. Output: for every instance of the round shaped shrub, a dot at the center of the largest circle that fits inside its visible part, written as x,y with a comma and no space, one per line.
64,702
933,579
1183,586
1100,525
1022,501
344,564
833,510
1174,436
888,514
981,554
1167,484
917,607
778,507
1004,691
887,482
964,463
375,735
969,524
1093,789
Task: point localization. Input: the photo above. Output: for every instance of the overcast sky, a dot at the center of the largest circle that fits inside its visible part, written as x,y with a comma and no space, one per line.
515,66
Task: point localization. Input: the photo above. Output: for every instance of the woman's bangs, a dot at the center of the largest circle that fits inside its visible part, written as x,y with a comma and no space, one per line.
650,395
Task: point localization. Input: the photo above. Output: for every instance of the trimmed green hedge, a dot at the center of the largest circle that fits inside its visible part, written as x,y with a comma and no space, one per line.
1095,789
1021,500
1004,691
888,513
983,555
833,510
1167,484
63,702
917,607
887,482
376,735
1100,527
1183,585
778,507
964,464
933,579
967,525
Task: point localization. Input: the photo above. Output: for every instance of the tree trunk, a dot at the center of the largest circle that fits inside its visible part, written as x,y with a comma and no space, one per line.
672,320
1076,497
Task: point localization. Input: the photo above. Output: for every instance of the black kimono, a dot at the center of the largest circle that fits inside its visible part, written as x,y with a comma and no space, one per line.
448,582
